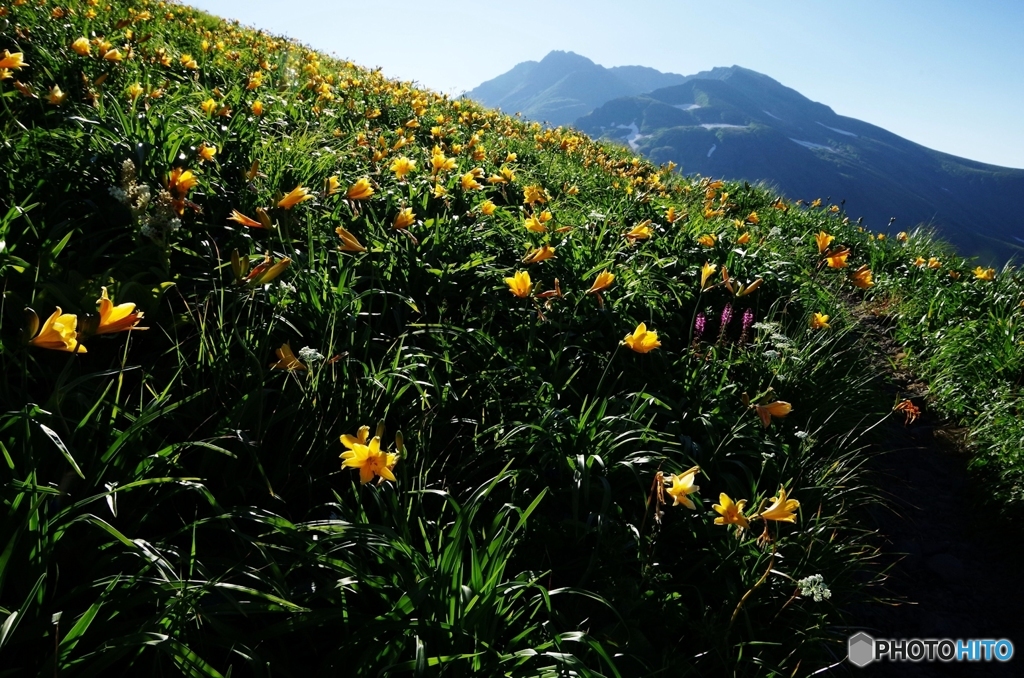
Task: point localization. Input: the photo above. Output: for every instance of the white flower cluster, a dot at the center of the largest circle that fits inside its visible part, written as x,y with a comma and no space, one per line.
134,196
814,586
310,355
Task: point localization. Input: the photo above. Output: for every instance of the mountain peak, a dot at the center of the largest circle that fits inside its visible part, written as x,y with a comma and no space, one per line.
563,59
564,86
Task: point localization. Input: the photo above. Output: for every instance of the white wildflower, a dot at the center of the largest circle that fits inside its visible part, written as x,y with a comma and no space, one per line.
814,586
310,355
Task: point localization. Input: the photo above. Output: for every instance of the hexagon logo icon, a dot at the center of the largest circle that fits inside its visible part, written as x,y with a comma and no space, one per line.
862,649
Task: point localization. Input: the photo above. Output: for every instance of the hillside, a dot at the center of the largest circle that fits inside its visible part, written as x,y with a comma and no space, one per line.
563,86
308,371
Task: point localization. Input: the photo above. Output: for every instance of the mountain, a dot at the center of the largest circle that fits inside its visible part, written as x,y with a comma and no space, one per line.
563,86
735,123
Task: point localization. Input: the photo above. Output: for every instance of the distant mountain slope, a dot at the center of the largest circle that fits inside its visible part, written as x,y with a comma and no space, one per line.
739,124
736,123
564,86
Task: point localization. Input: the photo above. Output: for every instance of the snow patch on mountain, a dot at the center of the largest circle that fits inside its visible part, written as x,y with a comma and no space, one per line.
634,135
813,146
835,129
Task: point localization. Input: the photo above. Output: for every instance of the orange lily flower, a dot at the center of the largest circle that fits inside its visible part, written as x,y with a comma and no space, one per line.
286,360
777,409
862,277
240,218
118,318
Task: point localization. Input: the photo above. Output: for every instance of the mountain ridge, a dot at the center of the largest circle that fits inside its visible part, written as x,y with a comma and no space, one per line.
563,86
736,123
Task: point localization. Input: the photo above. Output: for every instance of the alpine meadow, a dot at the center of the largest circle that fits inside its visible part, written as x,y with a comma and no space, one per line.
309,371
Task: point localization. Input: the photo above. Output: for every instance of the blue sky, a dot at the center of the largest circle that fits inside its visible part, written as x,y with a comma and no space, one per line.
948,74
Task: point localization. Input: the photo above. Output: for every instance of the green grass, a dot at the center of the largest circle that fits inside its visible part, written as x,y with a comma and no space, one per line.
175,504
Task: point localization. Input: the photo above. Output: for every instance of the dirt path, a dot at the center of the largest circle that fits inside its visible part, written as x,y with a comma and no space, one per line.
959,573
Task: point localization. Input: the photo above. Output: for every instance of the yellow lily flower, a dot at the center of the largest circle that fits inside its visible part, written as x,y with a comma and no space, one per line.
533,194
349,243
824,240
708,240
181,181
641,340
539,254
439,163
682,485
819,321
603,281
487,208
984,273
369,459
641,231
520,284
404,219
59,333
81,47
331,185
402,166
469,182
56,97
361,190
706,271
535,225
730,512
207,151
297,195
837,258
782,509
12,61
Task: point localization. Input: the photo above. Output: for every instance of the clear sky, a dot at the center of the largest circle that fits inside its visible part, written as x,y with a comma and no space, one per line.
948,74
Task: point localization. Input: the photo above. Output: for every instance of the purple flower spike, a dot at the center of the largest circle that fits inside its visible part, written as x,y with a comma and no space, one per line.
698,326
748,321
726,319
726,316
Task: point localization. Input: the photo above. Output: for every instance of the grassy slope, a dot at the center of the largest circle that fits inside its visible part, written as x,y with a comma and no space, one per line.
180,502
